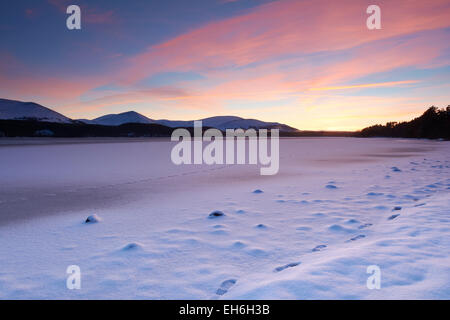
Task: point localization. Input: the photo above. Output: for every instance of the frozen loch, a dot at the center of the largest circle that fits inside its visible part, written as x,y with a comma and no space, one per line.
140,227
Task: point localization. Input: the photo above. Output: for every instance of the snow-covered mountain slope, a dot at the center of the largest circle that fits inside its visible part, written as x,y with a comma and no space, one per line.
10,109
175,123
17,110
220,122
121,118
228,122
87,121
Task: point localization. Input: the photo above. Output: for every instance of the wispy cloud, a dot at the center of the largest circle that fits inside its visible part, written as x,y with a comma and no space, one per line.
286,28
366,85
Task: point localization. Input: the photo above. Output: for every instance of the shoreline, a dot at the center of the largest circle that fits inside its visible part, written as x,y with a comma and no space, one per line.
30,141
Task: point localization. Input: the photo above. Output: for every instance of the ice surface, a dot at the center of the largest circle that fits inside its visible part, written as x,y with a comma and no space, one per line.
155,240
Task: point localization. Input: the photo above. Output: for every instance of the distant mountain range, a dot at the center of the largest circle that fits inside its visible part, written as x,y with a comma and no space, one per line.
17,110
219,122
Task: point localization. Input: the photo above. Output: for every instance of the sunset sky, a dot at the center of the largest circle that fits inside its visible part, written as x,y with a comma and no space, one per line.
308,64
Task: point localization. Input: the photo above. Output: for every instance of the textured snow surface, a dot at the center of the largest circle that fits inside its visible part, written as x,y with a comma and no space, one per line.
335,208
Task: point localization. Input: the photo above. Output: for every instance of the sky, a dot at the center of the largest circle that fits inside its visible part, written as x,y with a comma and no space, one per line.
313,65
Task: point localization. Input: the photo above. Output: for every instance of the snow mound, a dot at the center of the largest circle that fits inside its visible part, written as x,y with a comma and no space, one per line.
132,246
216,214
92,219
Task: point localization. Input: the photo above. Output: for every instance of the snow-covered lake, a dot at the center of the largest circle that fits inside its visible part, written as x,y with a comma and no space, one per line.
337,206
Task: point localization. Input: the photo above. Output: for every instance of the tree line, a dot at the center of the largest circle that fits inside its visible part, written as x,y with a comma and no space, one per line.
432,124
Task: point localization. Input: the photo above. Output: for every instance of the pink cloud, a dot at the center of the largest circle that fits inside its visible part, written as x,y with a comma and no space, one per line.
286,28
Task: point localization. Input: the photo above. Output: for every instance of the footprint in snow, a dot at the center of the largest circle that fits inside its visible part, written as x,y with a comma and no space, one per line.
289,265
319,214
363,226
393,216
319,248
397,208
375,194
395,169
132,246
257,191
420,204
225,286
330,186
360,236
